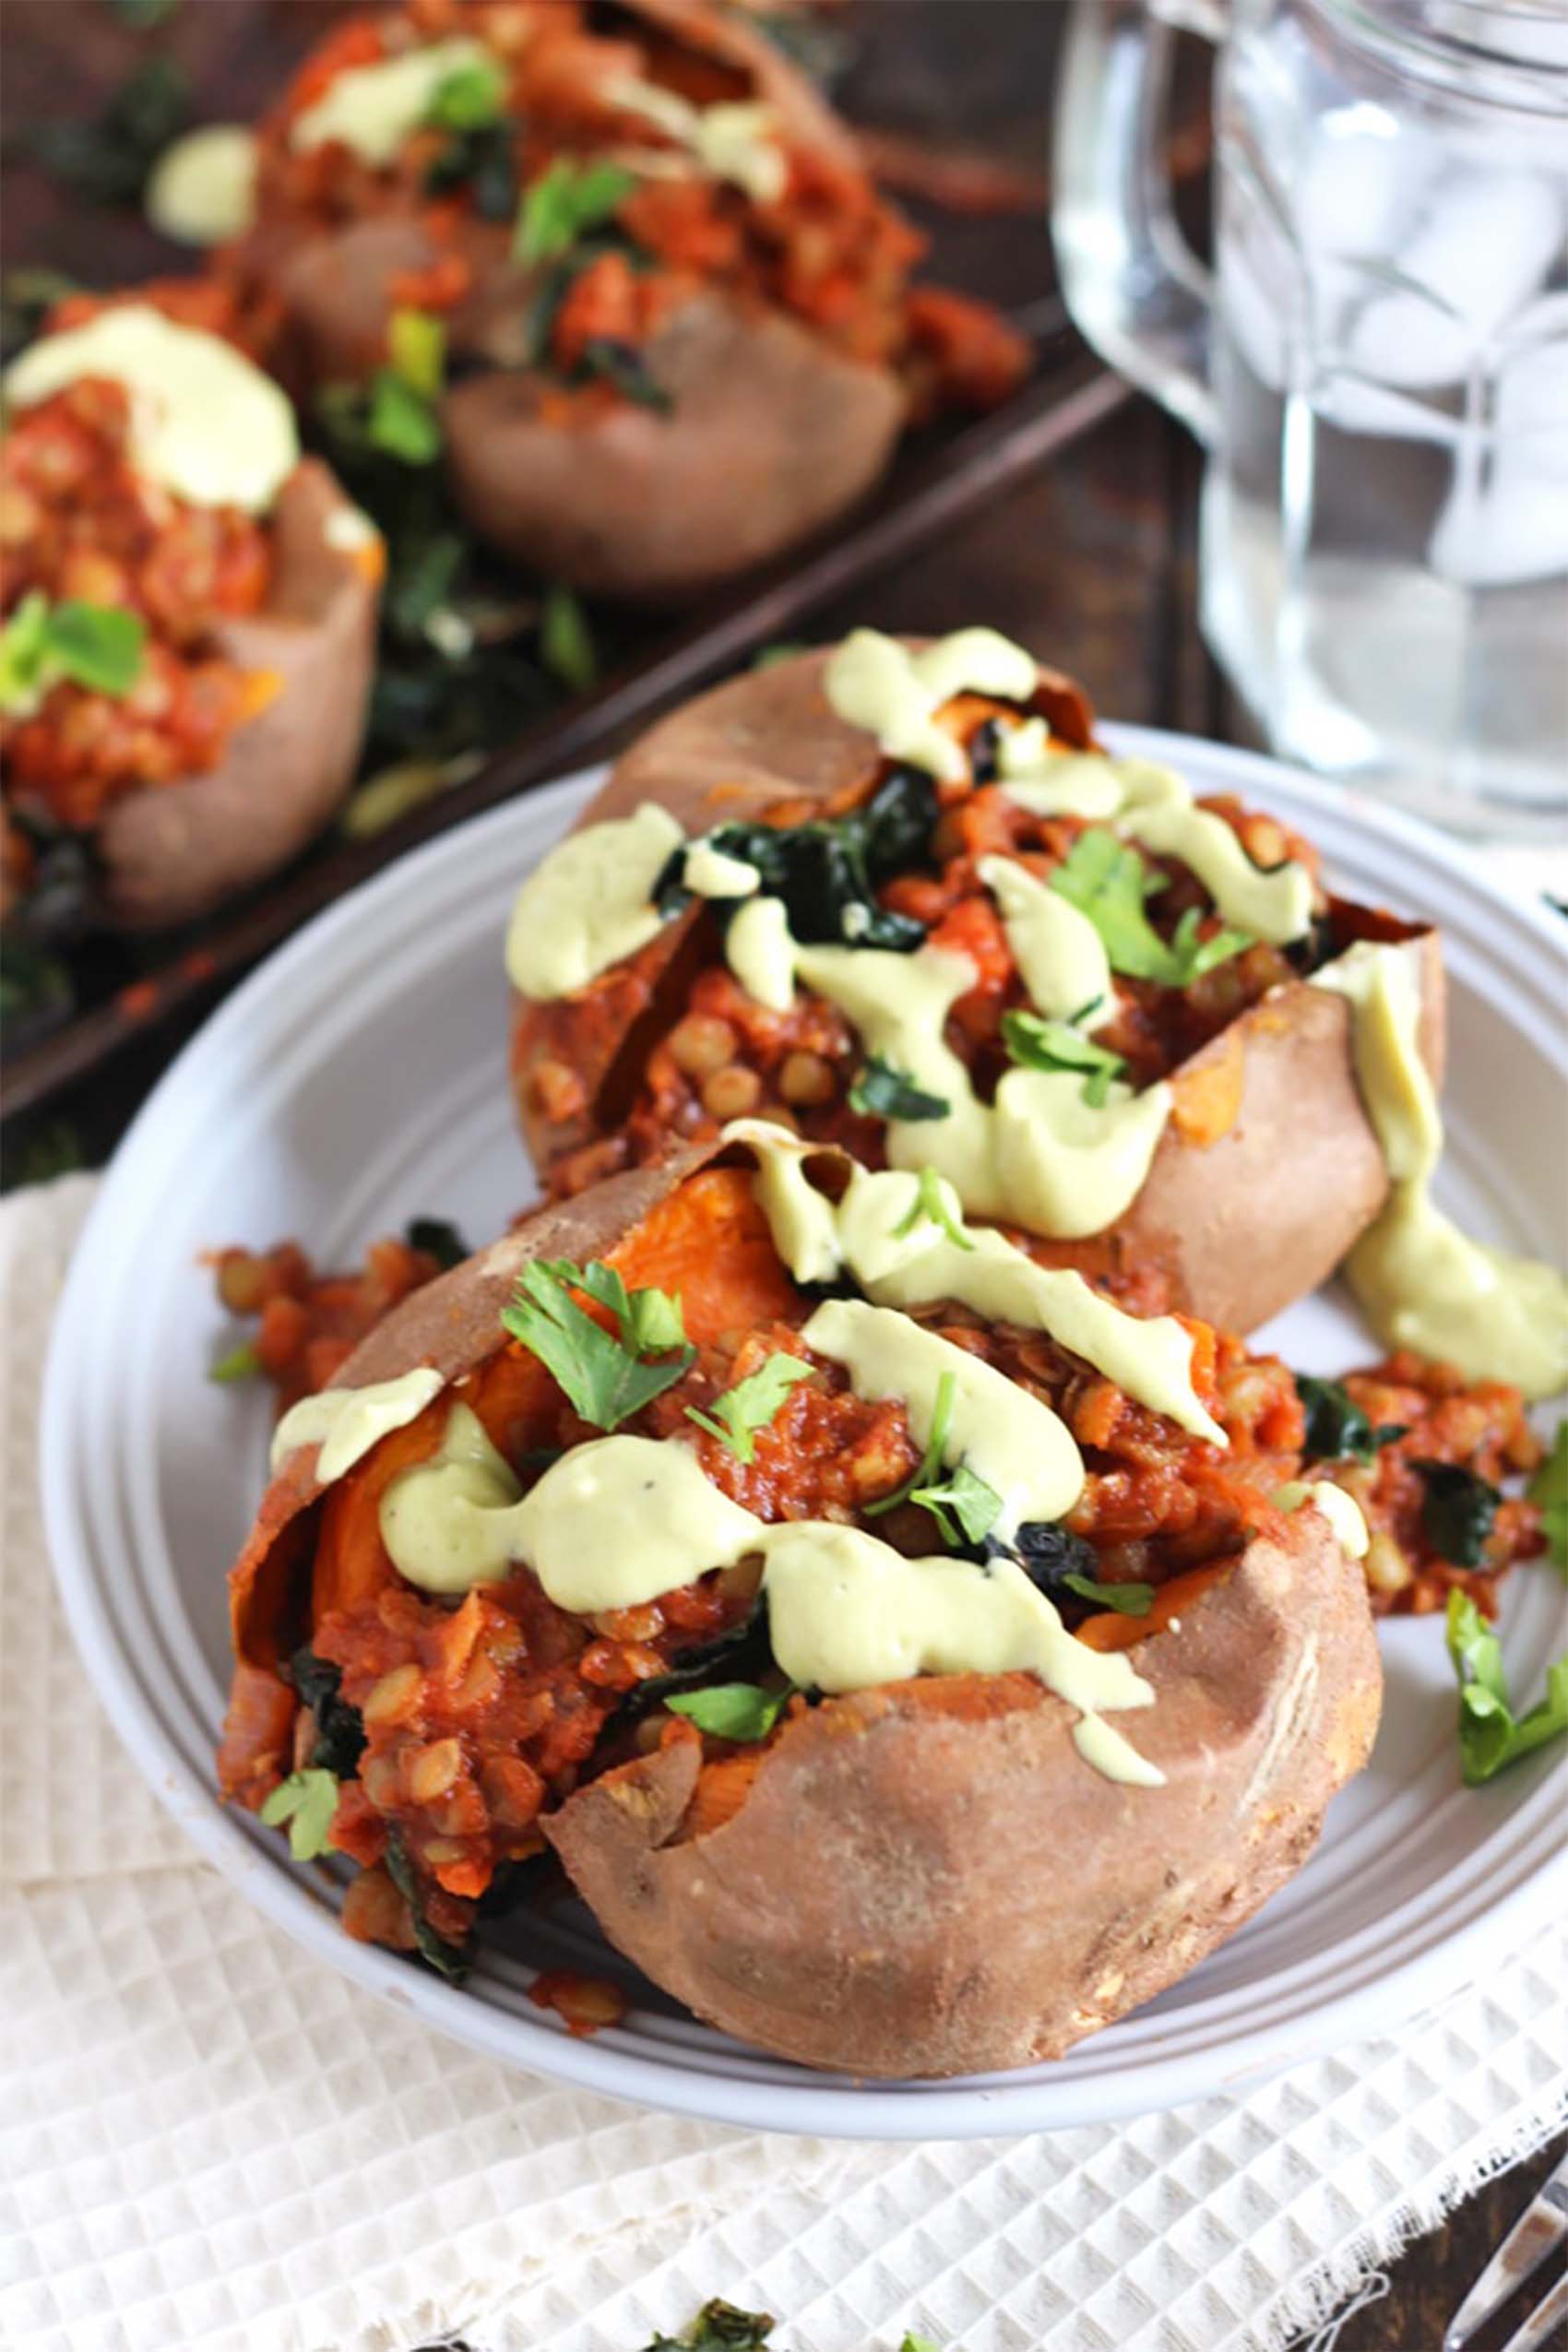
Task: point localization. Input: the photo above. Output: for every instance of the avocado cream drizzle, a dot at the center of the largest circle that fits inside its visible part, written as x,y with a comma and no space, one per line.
346,1423
819,1239
1039,1155
1341,1510
735,140
204,422
622,1519
1424,1285
372,109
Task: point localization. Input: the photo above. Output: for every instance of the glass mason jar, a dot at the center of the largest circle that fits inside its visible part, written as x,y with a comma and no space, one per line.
1379,368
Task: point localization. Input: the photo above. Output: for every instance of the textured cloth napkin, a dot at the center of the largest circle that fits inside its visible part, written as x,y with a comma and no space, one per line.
209,2142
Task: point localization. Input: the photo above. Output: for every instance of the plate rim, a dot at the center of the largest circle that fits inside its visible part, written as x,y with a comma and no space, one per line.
825,2105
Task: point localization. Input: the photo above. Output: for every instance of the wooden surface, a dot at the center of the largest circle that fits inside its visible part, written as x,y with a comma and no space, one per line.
1090,561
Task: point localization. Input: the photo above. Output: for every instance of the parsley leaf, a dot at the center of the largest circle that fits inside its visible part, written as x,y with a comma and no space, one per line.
731,1710
565,641
1128,1600
1337,1426
929,1204
1458,1511
468,98
931,1461
1548,1488
438,1241
975,1505
601,1375
920,2344
1109,881
1491,1736
240,1364
562,202
751,1404
1038,1044
416,344
400,421
1192,957
886,1093
306,1800
99,646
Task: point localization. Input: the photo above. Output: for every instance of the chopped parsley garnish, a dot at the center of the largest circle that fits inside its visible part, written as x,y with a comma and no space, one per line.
929,1205
562,202
1549,1490
751,1405
240,1364
605,1375
1038,1044
975,1505
971,1503
1457,1511
306,1800
1491,1736
565,641
468,97
99,646
882,1092
1128,1600
1336,1427
731,1710
416,345
1109,881
400,421
438,1241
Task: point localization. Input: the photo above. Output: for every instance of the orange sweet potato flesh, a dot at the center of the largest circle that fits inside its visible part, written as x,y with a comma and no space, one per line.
927,1879
1268,1172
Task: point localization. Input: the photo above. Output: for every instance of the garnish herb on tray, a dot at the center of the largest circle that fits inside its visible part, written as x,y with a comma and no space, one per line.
1491,1736
607,1377
719,2327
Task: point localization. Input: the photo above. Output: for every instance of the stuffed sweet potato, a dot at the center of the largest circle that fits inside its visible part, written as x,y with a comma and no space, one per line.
190,613
619,1538
678,315
987,952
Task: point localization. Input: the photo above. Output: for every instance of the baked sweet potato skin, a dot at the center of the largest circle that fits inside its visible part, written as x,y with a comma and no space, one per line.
770,434
169,854
1243,1212
928,1880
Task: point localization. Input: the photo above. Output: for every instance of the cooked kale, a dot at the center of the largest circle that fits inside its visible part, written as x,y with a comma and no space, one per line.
339,1730
1457,1511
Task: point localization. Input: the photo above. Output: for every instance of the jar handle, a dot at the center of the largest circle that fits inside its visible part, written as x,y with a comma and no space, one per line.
1133,285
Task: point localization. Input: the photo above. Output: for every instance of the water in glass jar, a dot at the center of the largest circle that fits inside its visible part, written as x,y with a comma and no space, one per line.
1385,521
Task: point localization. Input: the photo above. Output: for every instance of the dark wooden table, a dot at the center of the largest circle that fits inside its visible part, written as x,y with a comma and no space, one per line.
1092,564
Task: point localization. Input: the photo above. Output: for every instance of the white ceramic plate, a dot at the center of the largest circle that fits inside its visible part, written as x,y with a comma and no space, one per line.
359,1079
